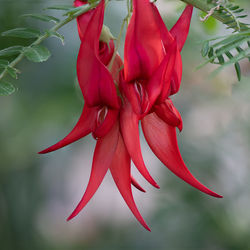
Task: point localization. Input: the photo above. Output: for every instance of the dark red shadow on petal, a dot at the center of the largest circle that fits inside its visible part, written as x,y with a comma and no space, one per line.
106,51
102,128
159,84
169,114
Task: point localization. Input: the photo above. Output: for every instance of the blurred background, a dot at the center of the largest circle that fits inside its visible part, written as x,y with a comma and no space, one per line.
38,192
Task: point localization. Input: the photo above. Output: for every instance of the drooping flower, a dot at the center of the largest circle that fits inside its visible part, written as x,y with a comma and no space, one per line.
102,104
148,84
100,114
118,97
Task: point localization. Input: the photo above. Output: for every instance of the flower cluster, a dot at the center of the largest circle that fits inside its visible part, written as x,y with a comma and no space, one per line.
118,96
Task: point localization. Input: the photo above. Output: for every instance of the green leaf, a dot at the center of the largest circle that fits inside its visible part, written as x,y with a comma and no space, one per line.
56,34
11,51
60,7
3,63
221,59
22,33
41,17
238,71
37,53
12,71
211,54
72,11
238,11
205,48
6,88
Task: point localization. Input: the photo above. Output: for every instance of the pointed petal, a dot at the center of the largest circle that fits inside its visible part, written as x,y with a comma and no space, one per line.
129,126
84,126
181,28
136,184
143,50
162,140
166,36
120,170
104,152
169,114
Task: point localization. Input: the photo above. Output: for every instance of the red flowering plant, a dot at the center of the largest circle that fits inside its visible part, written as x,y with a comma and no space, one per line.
151,73
119,96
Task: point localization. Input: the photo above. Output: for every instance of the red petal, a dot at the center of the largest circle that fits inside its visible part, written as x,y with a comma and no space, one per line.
166,36
169,114
143,50
129,126
159,83
95,80
106,51
116,70
103,156
120,170
162,140
84,126
136,184
131,92
107,124
83,20
176,76
78,3
91,27
181,28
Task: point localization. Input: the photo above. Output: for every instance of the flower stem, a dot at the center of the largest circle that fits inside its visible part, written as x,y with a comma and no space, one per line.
44,36
118,41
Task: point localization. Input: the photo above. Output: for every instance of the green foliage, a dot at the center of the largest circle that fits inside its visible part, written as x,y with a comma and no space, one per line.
6,88
34,52
12,71
227,50
11,51
232,15
60,7
37,53
55,34
44,18
22,33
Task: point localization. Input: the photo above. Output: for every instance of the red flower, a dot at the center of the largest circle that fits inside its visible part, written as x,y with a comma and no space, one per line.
100,113
152,72
147,86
